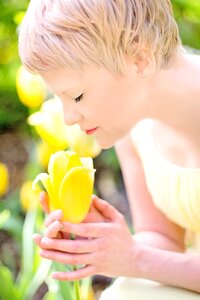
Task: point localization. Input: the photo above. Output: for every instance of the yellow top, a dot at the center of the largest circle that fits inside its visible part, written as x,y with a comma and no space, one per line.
175,190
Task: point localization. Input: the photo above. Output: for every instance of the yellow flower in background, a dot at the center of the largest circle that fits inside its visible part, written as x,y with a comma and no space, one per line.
82,143
31,88
69,184
4,179
49,124
43,152
29,197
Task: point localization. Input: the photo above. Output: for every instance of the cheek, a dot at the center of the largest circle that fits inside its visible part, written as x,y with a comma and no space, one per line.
104,106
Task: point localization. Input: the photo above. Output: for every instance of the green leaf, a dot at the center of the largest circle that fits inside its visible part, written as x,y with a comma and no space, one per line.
27,264
50,296
4,216
13,225
39,277
65,287
7,289
28,246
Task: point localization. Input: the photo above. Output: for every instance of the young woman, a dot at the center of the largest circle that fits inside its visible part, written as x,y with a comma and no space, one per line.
121,73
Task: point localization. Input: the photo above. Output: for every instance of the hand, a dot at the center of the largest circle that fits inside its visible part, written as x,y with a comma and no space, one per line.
54,227
53,230
108,247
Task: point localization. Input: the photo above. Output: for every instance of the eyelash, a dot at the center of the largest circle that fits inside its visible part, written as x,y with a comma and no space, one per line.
79,98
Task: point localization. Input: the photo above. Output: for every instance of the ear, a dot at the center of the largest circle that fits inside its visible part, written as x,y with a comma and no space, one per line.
146,65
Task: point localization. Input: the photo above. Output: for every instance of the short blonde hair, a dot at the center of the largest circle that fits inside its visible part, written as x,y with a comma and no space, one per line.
74,33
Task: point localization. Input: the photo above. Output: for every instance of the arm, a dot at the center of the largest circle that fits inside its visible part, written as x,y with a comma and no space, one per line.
170,268
150,225
161,241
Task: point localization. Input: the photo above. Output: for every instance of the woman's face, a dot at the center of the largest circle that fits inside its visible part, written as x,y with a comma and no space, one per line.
95,99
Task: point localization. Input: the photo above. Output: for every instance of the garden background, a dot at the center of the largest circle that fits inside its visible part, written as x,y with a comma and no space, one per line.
23,275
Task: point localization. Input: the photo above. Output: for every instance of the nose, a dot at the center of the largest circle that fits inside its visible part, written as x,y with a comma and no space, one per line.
71,114
72,117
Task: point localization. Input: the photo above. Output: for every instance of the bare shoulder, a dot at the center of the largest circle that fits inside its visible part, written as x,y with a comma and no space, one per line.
176,146
125,148
146,217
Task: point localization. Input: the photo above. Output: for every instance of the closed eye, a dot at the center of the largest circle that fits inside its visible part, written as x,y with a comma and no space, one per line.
79,98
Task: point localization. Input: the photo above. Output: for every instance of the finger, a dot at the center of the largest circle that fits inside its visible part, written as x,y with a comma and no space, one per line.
94,216
71,246
74,275
44,202
37,239
55,215
89,230
106,209
53,229
67,258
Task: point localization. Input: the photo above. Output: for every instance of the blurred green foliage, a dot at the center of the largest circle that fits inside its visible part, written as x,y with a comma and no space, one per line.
187,15
12,112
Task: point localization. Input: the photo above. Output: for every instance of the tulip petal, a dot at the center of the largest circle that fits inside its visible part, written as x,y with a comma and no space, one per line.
60,163
4,179
75,194
45,180
87,162
35,119
49,124
31,88
81,143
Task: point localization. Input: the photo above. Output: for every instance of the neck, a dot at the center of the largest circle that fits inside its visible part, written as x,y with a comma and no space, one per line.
174,93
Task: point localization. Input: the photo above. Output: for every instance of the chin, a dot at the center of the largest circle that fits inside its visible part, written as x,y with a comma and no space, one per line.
106,147
105,144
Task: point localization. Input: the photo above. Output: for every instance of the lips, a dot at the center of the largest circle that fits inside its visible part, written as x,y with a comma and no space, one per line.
91,131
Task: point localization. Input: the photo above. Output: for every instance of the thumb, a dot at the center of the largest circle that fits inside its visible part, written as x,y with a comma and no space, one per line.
37,238
106,209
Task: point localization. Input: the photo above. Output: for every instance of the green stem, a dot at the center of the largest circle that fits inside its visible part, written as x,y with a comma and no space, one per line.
76,286
76,282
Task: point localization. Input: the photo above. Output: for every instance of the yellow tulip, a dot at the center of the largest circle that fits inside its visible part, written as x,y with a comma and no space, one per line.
82,143
28,196
4,179
69,184
31,88
89,295
49,124
43,152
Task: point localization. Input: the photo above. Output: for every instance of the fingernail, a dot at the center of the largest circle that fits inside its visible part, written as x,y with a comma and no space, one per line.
35,236
42,253
54,275
45,240
59,213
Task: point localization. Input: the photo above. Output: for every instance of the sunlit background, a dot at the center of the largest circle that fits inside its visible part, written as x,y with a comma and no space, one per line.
24,152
